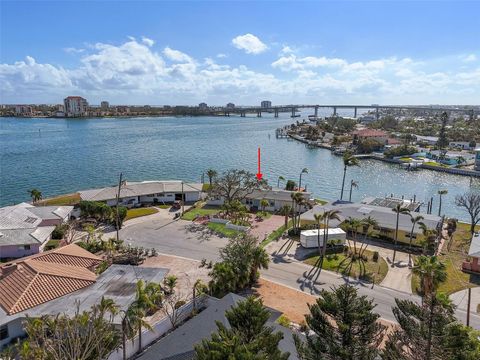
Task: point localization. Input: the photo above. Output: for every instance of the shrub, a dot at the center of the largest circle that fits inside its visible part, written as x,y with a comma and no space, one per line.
102,267
375,256
400,151
284,321
59,232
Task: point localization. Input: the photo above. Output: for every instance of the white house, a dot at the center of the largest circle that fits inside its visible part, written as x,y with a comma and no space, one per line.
275,197
146,192
25,229
464,145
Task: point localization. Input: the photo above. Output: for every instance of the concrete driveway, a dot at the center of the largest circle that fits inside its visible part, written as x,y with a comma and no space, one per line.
173,237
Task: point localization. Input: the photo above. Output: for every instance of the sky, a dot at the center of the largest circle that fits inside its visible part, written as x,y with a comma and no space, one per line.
184,53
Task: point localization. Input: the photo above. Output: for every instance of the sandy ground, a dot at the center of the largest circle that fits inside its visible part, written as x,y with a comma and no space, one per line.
293,303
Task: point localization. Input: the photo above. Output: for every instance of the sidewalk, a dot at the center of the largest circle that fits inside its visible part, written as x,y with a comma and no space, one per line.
460,299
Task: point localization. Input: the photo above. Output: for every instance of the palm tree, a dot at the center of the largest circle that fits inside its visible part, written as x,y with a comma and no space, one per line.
170,282
348,160
441,193
398,209
329,215
430,236
285,211
135,321
297,199
263,204
318,220
304,171
353,224
353,184
280,178
415,220
260,260
211,173
431,271
367,223
36,195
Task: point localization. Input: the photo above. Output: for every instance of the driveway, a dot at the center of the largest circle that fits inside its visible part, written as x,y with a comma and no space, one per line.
261,229
460,298
174,237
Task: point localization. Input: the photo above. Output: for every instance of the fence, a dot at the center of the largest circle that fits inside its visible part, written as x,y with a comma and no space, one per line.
159,329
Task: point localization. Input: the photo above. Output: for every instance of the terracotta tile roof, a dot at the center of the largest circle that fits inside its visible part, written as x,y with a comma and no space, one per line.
43,277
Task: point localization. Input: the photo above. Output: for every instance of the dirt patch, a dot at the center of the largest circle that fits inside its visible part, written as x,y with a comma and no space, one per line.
293,303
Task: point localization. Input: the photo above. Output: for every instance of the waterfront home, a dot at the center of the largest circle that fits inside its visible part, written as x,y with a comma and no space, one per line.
25,229
385,217
370,134
276,198
451,158
477,159
61,281
180,343
472,264
133,194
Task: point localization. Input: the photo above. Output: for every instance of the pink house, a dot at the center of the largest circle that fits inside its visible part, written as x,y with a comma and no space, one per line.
473,264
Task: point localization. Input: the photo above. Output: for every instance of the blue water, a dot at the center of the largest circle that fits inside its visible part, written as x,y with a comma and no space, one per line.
65,155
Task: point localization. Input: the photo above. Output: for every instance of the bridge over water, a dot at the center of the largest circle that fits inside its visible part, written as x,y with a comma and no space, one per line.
293,108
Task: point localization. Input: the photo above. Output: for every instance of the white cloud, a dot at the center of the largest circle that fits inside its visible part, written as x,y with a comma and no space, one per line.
250,43
133,72
175,55
72,50
286,50
469,58
222,56
147,41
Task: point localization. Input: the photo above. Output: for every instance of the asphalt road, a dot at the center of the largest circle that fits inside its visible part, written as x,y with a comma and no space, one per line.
172,238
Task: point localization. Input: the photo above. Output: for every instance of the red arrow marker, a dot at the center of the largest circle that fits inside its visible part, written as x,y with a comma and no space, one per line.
259,173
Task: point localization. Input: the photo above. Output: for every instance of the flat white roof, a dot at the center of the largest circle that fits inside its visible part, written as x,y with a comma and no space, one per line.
314,232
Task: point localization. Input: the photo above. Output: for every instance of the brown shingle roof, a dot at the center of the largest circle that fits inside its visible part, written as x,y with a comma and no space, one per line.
46,276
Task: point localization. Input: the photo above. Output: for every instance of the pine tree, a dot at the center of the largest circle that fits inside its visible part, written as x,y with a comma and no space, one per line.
247,338
422,329
345,327
442,141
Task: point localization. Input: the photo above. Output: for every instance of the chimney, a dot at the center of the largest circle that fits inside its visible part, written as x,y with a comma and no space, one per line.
7,269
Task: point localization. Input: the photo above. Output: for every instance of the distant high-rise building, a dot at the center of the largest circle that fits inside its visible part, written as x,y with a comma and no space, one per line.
230,106
75,106
266,104
203,106
104,105
23,110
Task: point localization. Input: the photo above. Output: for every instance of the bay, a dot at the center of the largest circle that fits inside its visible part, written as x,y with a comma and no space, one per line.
60,156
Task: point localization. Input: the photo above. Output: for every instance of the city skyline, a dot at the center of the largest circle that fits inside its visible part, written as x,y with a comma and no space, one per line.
413,53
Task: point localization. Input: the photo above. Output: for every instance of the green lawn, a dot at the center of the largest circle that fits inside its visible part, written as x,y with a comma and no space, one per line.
200,211
205,187
164,206
135,213
456,279
63,200
222,230
52,244
366,270
320,201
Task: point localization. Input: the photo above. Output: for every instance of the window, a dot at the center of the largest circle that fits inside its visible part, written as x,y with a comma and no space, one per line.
3,332
160,194
24,247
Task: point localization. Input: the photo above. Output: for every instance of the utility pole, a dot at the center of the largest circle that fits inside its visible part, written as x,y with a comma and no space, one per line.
117,221
468,305
183,199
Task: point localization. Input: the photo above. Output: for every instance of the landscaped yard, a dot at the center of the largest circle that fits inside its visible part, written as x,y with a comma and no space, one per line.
456,279
222,230
200,211
275,235
63,200
366,270
135,213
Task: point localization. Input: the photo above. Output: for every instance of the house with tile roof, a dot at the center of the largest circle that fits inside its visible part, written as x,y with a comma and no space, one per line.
370,134
25,229
134,194
61,281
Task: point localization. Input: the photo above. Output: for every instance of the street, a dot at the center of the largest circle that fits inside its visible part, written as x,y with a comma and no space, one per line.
174,238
